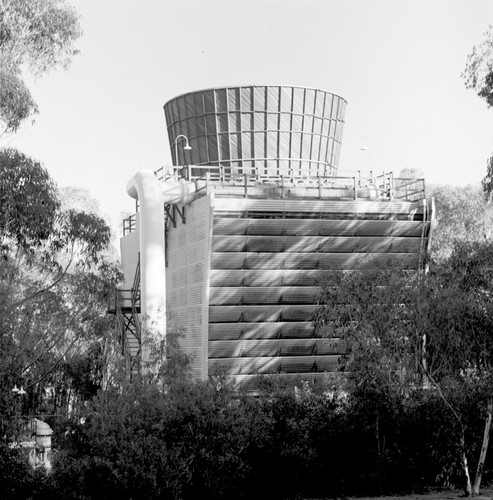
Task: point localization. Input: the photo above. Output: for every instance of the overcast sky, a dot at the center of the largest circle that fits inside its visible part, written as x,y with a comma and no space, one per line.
396,62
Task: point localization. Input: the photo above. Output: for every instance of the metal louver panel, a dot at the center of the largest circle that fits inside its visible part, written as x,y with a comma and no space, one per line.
317,227
260,313
267,266
277,347
275,364
271,278
263,295
316,206
319,244
244,260
253,330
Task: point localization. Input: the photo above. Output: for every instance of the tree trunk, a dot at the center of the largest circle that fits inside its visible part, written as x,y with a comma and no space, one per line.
484,449
465,467
377,436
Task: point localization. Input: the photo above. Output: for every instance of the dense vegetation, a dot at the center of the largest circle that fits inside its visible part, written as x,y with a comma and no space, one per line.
204,440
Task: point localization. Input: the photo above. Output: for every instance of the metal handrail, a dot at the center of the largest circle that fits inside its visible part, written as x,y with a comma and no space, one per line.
355,185
129,224
406,187
135,299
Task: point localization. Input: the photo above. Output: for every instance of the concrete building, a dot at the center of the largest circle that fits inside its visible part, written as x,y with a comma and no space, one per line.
231,243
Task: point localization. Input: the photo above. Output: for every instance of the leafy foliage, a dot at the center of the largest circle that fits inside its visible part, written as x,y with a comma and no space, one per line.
487,181
462,214
406,331
35,37
186,443
16,102
55,281
478,73
208,440
28,201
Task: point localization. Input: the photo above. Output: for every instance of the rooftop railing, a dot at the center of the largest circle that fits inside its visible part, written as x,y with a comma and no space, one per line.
353,185
343,186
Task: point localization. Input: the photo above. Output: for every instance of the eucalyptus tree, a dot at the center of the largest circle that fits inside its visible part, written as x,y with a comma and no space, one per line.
35,38
463,214
409,332
54,279
478,75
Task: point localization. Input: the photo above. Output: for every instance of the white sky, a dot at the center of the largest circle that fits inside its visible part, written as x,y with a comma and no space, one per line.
396,62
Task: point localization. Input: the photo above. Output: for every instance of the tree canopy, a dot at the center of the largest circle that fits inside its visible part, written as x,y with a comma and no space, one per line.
35,37
407,331
28,200
55,281
478,73
462,214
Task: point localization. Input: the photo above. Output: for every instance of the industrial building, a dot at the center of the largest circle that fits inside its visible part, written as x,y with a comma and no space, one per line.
231,243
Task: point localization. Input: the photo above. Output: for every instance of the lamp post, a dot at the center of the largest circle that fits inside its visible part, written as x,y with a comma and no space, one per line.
187,146
367,149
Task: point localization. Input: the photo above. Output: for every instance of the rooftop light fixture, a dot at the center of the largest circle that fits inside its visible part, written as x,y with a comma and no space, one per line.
187,146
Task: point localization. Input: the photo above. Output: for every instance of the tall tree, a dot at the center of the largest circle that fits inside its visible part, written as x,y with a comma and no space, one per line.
35,37
478,75
407,331
462,214
54,276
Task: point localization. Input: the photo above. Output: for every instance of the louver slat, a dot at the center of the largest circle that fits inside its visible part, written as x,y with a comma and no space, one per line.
253,330
256,313
225,260
314,227
263,295
277,364
283,347
314,244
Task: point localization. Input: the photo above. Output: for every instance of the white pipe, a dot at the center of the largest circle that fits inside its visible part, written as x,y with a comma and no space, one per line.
153,195
178,192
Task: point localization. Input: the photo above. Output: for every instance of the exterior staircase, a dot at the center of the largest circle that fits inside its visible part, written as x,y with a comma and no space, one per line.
125,305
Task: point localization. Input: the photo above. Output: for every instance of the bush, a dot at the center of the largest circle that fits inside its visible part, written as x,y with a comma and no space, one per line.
204,440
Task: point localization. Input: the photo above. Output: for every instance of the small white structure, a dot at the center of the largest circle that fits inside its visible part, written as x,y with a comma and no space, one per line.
36,440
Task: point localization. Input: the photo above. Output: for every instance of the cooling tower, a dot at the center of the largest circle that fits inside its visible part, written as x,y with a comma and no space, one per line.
258,130
271,218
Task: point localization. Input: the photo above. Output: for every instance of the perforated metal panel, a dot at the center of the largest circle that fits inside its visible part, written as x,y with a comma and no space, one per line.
187,280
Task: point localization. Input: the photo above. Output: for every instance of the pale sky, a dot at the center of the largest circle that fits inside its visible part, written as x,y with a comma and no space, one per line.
396,62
